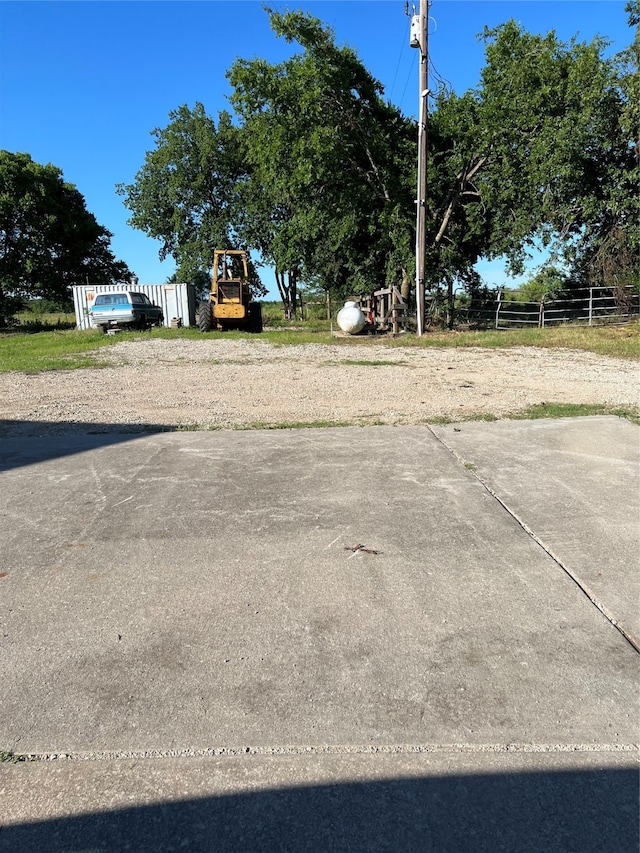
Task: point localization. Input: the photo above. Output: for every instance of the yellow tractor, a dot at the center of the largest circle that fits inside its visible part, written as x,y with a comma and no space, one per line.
229,305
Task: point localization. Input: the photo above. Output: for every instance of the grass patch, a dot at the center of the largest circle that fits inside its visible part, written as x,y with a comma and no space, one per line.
271,323
615,341
365,362
42,321
276,337
445,420
546,410
64,350
69,349
573,410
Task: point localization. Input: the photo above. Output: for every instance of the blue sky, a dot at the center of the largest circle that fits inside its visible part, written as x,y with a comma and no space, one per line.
83,84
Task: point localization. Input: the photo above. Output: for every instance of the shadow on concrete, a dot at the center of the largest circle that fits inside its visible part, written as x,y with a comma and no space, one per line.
29,442
582,811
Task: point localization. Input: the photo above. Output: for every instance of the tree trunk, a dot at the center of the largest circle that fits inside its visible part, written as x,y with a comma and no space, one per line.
288,289
450,304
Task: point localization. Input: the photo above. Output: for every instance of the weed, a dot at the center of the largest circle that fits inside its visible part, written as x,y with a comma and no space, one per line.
9,757
445,420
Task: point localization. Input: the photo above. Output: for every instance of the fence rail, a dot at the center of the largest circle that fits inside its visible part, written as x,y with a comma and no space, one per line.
592,306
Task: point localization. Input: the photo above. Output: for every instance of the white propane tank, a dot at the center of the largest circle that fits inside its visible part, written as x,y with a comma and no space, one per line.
351,319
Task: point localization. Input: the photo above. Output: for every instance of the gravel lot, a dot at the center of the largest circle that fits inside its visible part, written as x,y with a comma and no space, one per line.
229,383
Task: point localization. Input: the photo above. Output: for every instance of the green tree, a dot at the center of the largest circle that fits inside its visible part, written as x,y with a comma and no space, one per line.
547,283
48,239
609,253
539,153
186,195
318,176
201,281
330,195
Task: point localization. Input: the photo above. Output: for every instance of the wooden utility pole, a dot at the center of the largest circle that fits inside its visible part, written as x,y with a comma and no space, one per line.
421,204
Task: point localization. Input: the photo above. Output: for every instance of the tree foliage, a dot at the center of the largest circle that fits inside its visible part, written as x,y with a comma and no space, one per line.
316,171
186,193
540,153
330,197
48,239
548,283
610,253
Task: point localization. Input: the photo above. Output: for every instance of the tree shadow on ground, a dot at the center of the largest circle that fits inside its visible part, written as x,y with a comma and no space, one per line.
583,811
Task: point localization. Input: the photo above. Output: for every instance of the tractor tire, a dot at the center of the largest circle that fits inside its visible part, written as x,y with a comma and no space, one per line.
255,318
205,317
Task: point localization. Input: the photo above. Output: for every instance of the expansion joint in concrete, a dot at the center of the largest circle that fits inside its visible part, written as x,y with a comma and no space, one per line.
335,749
633,641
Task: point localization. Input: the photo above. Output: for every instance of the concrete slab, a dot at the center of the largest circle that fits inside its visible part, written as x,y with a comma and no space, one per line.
575,483
199,593
433,803
194,590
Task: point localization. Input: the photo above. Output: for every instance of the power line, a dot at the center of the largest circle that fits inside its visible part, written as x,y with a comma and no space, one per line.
401,54
442,83
410,73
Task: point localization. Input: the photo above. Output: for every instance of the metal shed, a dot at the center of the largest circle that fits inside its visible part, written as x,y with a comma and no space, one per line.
178,301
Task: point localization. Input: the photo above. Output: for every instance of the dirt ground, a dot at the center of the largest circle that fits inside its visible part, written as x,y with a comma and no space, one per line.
225,383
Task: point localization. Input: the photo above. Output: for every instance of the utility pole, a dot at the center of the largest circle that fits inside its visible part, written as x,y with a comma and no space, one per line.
419,39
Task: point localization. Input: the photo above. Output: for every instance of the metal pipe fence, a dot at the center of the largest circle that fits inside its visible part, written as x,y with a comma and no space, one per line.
593,306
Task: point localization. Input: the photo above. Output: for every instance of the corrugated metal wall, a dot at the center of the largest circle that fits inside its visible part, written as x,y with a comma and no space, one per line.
178,301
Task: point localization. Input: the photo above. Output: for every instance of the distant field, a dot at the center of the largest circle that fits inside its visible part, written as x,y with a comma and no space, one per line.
55,319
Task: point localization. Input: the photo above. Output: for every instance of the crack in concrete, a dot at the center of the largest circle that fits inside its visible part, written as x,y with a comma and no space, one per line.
633,641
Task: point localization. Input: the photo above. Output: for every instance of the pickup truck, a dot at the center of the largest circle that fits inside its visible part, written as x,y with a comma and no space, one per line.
124,308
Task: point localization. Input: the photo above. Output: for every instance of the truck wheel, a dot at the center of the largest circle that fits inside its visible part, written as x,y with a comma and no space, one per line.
205,318
255,318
